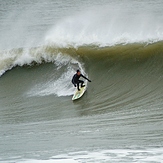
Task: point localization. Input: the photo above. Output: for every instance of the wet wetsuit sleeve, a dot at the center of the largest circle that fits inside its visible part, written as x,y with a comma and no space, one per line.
73,79
84,77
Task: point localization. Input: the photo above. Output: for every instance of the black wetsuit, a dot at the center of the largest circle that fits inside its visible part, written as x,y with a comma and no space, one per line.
75,80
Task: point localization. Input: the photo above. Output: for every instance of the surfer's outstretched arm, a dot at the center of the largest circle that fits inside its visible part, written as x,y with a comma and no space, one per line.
85,78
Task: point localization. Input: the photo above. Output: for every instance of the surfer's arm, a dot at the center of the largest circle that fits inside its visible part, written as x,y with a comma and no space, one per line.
73,82
85,78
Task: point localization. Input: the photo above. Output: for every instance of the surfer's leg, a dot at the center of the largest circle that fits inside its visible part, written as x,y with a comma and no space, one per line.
78,86
82,82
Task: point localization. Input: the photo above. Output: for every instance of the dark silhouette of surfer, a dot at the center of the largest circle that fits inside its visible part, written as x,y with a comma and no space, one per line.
76,81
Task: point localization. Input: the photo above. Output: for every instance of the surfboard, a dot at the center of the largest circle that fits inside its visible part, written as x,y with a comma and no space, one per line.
80,93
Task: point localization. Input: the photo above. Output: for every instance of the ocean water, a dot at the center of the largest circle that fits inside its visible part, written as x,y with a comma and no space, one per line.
118,45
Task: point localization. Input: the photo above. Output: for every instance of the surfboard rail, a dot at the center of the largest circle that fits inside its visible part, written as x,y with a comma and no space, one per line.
79,94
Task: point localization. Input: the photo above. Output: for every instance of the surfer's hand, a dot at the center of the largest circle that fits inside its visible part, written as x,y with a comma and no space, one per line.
74,85
89,80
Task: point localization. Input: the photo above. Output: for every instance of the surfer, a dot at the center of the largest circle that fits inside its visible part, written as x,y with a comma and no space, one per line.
76,81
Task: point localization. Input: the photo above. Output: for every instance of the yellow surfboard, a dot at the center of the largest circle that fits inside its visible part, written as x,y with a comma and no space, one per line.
80,93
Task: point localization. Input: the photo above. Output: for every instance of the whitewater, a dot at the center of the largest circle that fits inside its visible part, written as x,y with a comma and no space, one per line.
117,44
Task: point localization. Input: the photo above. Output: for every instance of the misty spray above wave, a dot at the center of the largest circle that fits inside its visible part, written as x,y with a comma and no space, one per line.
103,25
107,26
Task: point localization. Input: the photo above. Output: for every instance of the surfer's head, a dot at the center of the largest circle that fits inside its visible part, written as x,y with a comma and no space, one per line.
78,72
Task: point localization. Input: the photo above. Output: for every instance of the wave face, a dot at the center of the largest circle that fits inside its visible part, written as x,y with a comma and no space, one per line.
134,57
117,44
